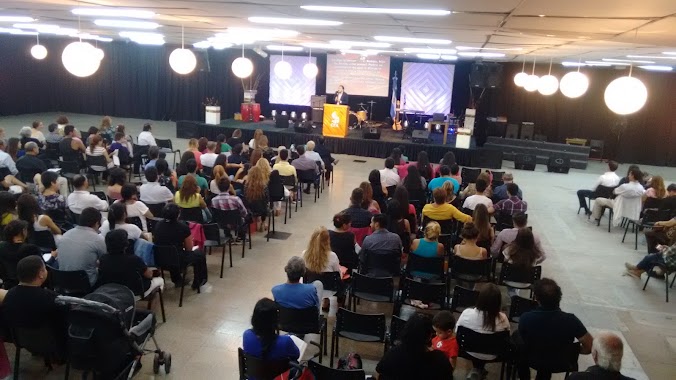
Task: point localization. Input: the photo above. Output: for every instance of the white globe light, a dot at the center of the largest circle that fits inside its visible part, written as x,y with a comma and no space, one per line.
520,79
531,83
626,95
548,85
80,59
39,52
182,61
574,84
283,70
242,67
100,54
310,70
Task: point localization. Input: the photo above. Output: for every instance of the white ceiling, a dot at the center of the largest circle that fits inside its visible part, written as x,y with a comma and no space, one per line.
570,30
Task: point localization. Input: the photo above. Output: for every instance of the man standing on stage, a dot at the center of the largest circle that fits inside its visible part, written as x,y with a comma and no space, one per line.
342,98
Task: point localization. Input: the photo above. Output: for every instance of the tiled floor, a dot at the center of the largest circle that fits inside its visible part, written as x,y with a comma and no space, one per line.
587,261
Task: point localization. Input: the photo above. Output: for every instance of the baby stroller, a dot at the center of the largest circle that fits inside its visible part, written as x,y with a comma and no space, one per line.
107,335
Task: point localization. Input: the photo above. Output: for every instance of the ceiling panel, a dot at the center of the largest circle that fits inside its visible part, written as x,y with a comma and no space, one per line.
598,8
551,24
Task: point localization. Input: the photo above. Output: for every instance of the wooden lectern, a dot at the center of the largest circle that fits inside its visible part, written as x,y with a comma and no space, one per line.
336,119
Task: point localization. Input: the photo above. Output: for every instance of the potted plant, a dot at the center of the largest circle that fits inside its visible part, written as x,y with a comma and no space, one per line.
212,114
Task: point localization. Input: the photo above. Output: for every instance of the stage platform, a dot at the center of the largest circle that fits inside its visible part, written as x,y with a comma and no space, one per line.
543,151
354,143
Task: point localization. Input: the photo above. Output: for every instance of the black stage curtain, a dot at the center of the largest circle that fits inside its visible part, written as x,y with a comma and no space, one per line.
136,81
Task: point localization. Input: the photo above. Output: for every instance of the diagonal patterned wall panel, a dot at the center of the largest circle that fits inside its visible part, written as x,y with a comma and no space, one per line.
295,90
427,87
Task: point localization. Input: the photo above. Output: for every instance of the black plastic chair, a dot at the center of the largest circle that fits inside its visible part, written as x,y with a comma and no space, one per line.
519,306
277,195
69,283
69,169
667,272
469,175
166,146
327,373
497,344
448,230
215,239
232,221
251,367
140,159
650,217
156,208
193,214
462,299
471,270
290,182
330,280
509,275
369,328
134,282
373,289
301,322
44,240
53,151
396,327
434,295
135,220
96,166
551,360
427,268
307,177
40,341
166,257
503,221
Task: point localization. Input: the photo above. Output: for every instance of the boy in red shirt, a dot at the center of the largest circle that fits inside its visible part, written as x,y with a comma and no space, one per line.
444,324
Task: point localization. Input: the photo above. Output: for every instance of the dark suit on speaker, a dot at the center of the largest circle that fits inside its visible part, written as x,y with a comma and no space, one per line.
343,100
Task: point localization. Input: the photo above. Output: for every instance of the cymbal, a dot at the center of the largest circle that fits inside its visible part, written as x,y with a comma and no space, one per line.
372,102
361,104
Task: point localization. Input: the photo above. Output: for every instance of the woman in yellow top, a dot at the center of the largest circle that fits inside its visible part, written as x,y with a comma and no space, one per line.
189,195
440,210
7,208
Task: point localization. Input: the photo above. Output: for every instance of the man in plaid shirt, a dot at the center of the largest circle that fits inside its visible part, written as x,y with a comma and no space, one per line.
512,204
666,257
225,201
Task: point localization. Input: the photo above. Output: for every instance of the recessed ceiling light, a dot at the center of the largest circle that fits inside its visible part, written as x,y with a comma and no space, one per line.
413,40
550,35
581,64
669,52
395,11
360,52
480,54
437,56
541,15
293,21
603,63
657,68
23,32
283,48
361,43
325,46
625,60
202,45
651,56
36,26
480,48
113,12
16,19
127,24
259,34
429,51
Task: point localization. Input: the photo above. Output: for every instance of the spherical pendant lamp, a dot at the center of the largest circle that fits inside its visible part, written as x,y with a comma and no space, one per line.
283,70
242,67
310,70
182,61
548,85
574,84
520,78
100,54
80,59
39,52
531,83
626,95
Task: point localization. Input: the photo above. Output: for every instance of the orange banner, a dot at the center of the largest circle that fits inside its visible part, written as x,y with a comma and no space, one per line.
335,120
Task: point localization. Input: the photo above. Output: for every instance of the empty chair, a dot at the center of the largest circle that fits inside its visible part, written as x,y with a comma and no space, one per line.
167,256
519,278
328,373
373,289
69,283
433,295
469,175
462,299
427,268
369,328
215,239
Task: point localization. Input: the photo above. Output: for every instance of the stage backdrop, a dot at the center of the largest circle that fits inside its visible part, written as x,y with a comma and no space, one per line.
298,88
360,75
427,87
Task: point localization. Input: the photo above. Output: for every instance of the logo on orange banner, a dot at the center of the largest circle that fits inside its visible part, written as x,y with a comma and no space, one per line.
335,120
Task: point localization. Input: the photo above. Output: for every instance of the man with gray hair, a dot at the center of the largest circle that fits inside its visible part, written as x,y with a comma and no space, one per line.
31,168
500,192
607,352
293,294
311,154
8,169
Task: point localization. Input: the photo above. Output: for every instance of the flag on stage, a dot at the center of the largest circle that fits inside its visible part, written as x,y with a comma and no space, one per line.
393,106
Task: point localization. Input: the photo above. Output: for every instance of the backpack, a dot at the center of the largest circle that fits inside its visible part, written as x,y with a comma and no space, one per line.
351,361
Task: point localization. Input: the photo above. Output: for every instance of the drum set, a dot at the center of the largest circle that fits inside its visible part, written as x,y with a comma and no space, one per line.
361,118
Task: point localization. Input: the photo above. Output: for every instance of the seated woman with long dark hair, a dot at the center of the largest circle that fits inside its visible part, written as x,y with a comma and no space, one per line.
415,184
414,357
29,211
523,254
117,220
262,340
379,191
482,221
165,176
182,169
398,224
343,241
171,231
424,166
369,203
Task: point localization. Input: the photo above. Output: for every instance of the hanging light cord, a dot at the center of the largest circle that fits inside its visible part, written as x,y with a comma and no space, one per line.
533,72
550,66
523,66
182,37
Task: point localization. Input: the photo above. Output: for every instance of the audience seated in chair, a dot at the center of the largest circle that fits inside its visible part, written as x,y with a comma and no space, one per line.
440,210
165,176
71,147
627,202
382,247
30,166
319,258
655,188
52,197
191,167
117,220
523,253
482,221
665,257
479,198
469,249
512,204
343,241
256,196
607,179
208,159
444,341
663,233
445,172
607,351
82,246
325,155
146,138
359,216
508,235
293,294
28,210
485,318
135,208
8,169
123,153
396,223
415,357
369,203
118,265
311,154
380,193
500,192
152,192
13,249
388,175
189,197
305,162
116,179
263,340
81,198
547,330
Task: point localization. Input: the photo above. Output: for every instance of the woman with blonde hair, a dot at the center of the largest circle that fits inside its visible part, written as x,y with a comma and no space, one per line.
256,196
451,198
106,128
429,246
193,147
471,188
656,189
265,167
319,258
369,203
253,143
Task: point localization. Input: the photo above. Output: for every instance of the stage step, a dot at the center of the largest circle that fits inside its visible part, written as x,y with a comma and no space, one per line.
578,155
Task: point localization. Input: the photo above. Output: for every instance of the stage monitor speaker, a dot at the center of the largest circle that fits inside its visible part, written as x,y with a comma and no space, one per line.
527,131
282,121
318,115
525,161
485,75
541,138
420,136
302,126
558,165
512,131
317,101
371,133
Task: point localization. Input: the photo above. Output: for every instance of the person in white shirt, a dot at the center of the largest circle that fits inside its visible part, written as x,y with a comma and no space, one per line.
80,199
485,318
607,179
311,154
389,176
146,138
208,159
627,202
479,198
8,169
135,208
36,132
152,192
117,216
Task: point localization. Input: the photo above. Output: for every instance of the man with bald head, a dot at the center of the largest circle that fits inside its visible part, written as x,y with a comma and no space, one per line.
607,352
